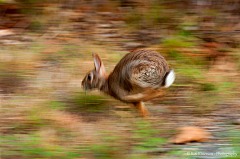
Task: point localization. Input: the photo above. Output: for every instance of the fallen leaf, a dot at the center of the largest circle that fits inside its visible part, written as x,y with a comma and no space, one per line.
5,32
189,134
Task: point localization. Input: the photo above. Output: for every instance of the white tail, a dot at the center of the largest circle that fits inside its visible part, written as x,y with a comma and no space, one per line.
169,79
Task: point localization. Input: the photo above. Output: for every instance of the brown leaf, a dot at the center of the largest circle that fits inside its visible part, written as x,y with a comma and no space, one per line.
189,134
6,32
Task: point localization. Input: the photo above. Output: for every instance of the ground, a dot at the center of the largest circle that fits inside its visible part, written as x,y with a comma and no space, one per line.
46,114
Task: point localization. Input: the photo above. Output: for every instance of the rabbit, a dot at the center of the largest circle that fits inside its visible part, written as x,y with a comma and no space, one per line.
139,76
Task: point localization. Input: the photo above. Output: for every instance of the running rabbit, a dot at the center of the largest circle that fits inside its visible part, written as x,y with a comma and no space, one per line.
138,77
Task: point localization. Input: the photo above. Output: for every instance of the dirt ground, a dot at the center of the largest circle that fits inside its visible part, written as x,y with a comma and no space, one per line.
44,112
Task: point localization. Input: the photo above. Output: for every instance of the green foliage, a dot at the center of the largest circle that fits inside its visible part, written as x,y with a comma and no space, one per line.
175,48
88,103
153,16
104,150
152,142
177,42
109,146
63,54
207,87
192,72
226,86
234,147
146,136
5,1
57,105
211,12
177,153
31,146
36,26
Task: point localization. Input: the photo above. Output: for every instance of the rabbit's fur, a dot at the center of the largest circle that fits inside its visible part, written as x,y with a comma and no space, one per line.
138,77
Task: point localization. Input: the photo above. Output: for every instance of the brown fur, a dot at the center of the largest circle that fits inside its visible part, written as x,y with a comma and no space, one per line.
138,77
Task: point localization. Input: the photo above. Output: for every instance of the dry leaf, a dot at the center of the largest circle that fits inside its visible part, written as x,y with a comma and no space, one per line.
5,32
189,134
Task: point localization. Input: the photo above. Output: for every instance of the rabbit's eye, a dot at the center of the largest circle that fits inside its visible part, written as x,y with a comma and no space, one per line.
89,77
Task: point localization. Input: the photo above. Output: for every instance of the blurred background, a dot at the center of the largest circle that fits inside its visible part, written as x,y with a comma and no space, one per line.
45,51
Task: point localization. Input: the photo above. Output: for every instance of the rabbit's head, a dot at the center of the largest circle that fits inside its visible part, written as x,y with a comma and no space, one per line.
97,77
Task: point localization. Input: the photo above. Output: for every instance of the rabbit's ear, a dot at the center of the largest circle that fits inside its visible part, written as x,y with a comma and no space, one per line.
98,64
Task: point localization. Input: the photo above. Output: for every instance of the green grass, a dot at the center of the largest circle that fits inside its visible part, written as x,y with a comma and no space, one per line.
31,146
146,137
195,73
226,86
154,16
107,148
177,42
88,102
57,105
207,87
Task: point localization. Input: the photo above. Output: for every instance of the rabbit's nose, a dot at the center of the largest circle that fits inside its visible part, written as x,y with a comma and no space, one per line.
85,86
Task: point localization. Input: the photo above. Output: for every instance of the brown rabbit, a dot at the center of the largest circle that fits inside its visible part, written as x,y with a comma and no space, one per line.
138,77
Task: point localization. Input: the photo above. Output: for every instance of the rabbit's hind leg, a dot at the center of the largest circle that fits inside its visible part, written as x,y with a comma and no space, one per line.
144,96
134,97
141,108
